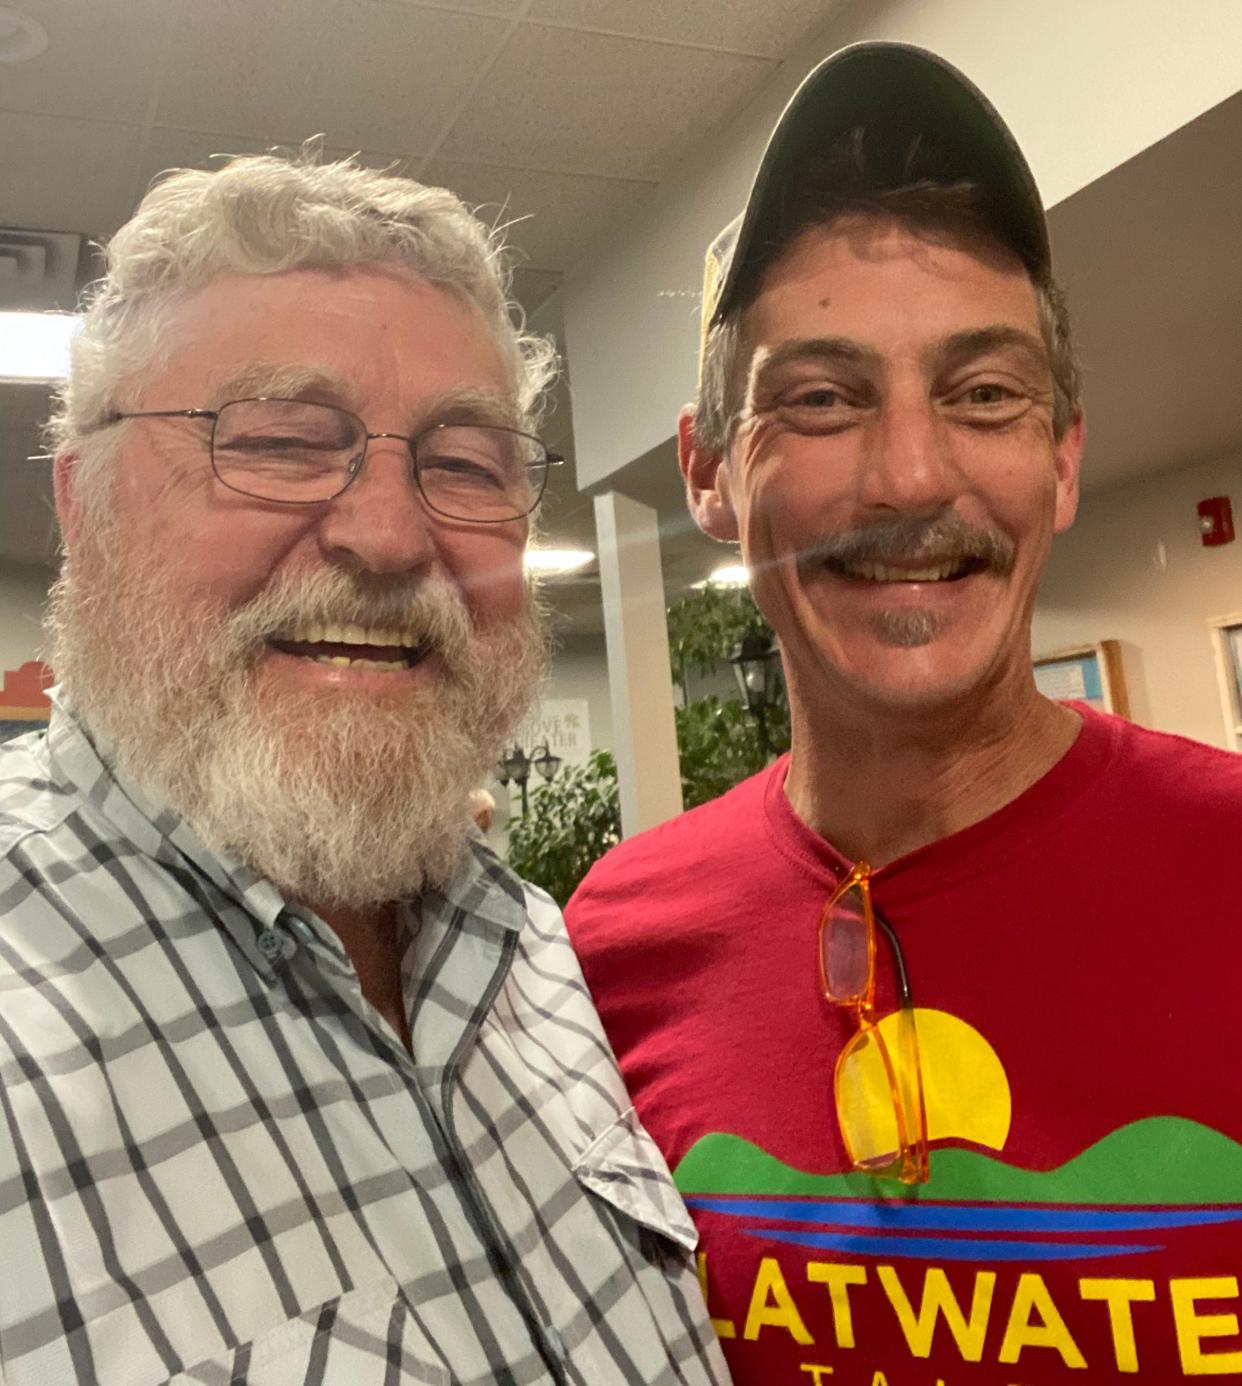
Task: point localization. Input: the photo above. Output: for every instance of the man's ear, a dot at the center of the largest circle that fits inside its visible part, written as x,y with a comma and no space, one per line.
64,487
1068,461
707,482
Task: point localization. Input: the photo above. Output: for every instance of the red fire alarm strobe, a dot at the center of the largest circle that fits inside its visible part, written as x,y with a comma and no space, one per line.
1216,520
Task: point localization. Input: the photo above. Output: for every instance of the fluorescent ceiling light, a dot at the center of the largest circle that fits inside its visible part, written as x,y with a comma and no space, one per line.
729,575
35,346
557,560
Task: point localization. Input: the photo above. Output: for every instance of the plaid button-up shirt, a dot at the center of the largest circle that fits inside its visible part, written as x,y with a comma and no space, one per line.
219,1165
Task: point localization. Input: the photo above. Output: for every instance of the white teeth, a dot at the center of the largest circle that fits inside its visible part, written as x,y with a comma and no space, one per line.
879,572
341,662
316,633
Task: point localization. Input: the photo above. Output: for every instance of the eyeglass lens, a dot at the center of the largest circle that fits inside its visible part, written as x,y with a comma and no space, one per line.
846,948
878,1090
299,451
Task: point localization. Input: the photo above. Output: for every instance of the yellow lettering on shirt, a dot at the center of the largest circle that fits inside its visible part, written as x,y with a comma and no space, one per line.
938,1300
772,1306
1120,1296
838,1279
879,1379
724,1327
1192,1327
818,1371
1032,1297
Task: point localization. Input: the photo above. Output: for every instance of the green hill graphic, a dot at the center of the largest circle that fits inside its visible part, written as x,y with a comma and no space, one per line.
1156,1160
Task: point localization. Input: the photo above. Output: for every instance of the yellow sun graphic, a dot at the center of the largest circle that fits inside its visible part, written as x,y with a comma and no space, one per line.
965,1088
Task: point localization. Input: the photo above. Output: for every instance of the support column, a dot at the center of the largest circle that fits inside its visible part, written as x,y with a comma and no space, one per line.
639,674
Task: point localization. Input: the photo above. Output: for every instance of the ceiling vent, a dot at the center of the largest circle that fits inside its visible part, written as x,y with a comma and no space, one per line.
38,269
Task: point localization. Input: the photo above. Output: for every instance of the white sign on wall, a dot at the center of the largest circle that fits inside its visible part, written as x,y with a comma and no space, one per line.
564,724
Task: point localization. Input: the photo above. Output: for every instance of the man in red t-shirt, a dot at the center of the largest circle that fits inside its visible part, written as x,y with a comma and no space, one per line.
936,1018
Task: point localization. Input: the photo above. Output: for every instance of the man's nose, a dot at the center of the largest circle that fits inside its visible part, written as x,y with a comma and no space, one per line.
380,523
909,464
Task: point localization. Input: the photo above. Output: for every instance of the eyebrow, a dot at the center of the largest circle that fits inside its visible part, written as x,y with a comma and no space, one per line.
963,347
470,404
831,350
473,404
281,381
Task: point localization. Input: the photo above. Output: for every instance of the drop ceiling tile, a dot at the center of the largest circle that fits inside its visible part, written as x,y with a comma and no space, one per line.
770,29
579,102
92,166
551,217
365,74
99,62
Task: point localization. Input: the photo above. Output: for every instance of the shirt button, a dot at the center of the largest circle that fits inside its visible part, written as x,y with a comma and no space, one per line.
271,943
302,929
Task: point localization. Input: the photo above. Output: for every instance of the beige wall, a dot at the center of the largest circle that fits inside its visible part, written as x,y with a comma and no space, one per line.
1133,569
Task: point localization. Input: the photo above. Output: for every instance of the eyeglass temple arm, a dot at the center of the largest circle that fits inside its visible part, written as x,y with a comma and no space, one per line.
899,960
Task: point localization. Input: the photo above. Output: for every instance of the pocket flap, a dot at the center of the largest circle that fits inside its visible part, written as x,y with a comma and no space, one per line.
624,1167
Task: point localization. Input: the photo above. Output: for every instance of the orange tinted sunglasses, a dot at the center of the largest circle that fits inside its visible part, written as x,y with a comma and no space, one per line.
878,1083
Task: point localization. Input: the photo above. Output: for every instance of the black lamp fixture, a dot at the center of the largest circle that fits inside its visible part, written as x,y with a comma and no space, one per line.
755,665
517,763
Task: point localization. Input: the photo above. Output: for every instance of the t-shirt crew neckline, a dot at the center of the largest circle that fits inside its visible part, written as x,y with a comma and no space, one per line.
1023,825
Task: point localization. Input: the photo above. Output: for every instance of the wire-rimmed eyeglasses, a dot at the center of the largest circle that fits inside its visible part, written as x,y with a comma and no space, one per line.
297,452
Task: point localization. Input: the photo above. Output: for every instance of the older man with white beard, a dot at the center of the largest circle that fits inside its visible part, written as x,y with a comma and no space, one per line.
297,1082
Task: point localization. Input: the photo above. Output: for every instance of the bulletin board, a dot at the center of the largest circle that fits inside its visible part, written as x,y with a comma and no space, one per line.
1090,674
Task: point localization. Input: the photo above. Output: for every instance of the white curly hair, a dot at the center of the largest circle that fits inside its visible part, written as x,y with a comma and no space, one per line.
260,214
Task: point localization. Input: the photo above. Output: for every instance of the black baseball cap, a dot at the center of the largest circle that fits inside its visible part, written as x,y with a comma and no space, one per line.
899,92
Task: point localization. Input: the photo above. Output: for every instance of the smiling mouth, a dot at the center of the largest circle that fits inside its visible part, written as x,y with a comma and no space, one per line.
350,646
943,570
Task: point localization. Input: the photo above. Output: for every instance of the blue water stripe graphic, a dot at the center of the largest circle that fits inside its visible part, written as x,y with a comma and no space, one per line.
949,1249
943,1217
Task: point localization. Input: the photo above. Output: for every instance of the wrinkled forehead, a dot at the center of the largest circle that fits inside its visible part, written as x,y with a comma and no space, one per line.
353,336
885,283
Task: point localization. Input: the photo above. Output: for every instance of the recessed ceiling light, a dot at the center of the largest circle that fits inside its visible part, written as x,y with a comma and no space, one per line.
557,560
20,36
728,575
35,346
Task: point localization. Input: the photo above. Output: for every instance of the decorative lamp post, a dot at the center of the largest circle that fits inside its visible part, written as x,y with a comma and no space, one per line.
516,766
755,662
545,762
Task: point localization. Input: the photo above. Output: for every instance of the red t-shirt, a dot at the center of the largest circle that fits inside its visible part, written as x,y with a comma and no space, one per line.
1076,961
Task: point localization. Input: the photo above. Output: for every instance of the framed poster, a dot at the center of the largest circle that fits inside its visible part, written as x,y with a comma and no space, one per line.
1089,674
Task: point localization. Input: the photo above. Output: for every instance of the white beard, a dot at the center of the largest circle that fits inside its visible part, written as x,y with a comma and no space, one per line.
338,799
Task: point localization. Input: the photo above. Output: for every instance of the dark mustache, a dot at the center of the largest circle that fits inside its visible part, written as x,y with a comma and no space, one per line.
905,540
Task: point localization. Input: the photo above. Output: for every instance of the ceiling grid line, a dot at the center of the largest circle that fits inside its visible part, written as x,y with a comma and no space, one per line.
446,127
172,14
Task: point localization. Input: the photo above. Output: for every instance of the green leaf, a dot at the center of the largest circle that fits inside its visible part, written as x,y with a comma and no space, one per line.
574,820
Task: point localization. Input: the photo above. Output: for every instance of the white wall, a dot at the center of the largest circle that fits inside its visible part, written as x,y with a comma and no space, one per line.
1084,84
580,670
23,590
1133,569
